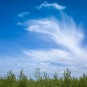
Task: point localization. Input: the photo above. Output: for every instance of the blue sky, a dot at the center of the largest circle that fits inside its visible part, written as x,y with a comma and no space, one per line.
46,34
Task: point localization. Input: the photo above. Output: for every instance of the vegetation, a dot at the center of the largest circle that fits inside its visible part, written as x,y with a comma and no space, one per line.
42,80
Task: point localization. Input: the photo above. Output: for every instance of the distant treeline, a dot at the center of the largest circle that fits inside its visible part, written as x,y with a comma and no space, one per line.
42,80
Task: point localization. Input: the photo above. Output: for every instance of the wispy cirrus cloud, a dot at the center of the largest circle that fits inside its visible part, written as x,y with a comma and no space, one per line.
54,5
51,56
69,35
64,33
23,14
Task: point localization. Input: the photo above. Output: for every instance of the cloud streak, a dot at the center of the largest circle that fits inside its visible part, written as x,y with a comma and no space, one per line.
54,5
23,14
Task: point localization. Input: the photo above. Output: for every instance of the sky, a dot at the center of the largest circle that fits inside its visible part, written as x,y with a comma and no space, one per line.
45,34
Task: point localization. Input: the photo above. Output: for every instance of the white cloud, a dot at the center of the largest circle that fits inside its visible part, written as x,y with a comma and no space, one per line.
23,14
55,5
65,33
44,63
62,33
54,55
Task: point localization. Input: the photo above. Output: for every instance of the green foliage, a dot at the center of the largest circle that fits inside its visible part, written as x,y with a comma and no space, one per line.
37,74
9,80
67,78
22,81
83,81
42,80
